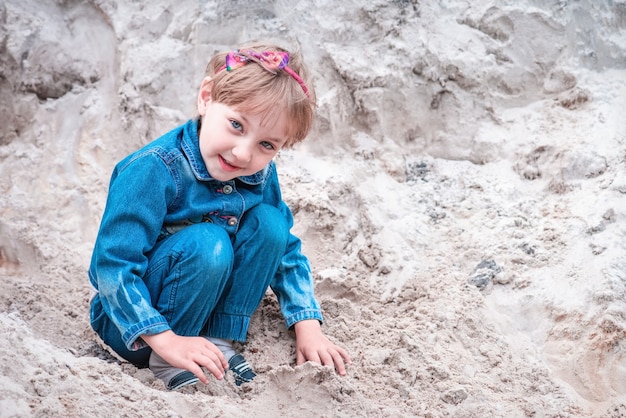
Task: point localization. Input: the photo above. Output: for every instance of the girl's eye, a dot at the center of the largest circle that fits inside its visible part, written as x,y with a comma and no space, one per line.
236,125
267,145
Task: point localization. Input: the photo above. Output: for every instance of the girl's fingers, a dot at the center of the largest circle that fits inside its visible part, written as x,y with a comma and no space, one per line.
344,354
312,356
212,363
220,356
196,370
338,360
300,359
327,358
214,369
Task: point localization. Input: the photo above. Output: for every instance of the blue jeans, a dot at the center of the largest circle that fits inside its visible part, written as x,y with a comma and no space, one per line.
205,282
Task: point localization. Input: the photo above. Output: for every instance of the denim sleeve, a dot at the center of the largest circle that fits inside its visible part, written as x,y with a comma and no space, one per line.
293,283
135,209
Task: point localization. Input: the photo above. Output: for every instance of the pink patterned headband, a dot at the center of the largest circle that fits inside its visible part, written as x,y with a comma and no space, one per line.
270,60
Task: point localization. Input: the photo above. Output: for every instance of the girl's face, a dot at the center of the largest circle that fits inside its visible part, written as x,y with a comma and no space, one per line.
234,143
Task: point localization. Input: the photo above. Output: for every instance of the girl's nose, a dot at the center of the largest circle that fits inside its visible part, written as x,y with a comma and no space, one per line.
242,152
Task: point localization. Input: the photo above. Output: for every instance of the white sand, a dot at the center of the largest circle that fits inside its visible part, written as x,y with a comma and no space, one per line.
449,133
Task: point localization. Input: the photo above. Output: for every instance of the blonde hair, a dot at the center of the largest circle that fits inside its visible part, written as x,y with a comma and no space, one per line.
255,89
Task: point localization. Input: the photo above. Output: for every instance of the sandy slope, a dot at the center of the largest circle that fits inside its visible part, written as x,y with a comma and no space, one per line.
461,199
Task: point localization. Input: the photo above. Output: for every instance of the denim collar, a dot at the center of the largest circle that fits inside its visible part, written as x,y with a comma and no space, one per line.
191,147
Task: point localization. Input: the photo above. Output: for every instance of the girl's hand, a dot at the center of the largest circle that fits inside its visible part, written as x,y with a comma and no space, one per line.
313,345
189,353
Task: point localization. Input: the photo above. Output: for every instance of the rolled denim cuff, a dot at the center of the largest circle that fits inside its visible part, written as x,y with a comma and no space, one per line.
131,337
304,315
229,326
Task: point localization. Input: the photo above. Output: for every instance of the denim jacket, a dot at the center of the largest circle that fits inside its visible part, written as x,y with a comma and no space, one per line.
161,188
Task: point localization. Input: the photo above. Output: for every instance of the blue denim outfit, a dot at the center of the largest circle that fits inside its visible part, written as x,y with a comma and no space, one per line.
179,250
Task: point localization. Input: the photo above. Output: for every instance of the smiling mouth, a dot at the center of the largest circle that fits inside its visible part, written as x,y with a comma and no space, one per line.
226,166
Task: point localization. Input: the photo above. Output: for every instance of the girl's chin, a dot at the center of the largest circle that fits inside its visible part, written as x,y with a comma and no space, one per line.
221,176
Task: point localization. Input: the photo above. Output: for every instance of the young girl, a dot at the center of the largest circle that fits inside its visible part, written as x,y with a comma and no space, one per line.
195,229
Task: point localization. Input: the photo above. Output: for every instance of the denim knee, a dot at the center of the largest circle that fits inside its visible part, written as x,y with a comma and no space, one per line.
268,225
187,275
206,247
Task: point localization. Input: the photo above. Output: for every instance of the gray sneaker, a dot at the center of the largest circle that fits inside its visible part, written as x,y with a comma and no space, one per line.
241,369
173,377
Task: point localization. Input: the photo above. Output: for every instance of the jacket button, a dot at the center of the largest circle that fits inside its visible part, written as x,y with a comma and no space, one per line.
228,189
232,221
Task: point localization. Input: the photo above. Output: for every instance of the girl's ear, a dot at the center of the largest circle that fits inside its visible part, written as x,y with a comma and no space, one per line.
204,95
